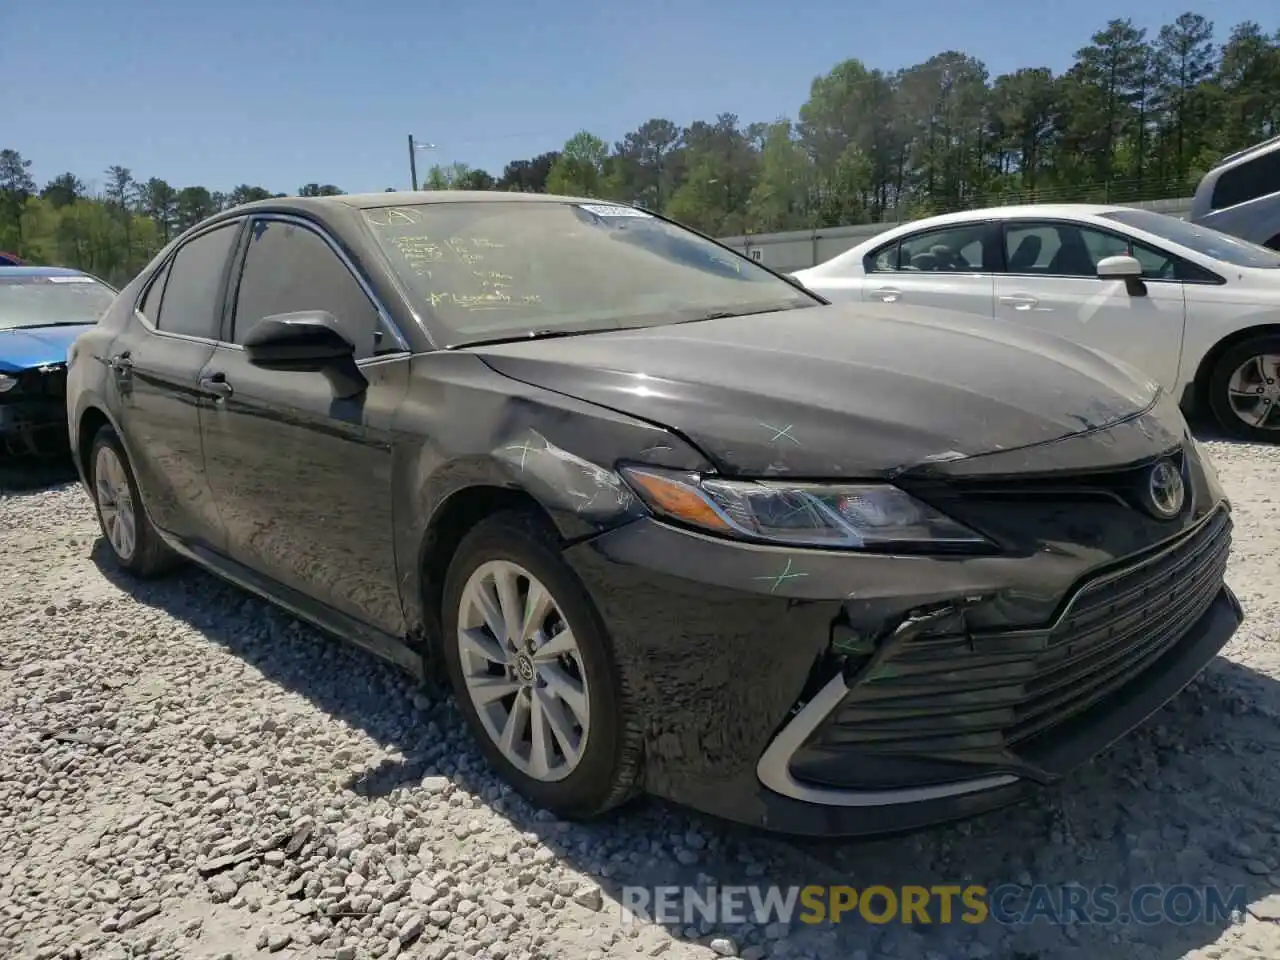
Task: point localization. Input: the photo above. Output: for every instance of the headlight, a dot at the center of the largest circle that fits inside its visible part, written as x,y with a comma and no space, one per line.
847,516
7,383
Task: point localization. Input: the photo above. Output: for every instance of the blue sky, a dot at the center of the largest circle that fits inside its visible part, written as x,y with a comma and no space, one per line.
282,92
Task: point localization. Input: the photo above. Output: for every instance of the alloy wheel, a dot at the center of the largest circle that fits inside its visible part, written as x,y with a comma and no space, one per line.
1254,391
115,502
523,670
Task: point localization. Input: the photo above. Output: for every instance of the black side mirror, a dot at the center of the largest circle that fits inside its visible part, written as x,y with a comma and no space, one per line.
309,341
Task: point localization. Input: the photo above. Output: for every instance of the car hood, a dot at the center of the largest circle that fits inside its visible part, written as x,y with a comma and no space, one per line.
838,391
28,347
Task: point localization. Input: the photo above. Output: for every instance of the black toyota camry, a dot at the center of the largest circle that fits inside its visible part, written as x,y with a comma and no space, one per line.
666,522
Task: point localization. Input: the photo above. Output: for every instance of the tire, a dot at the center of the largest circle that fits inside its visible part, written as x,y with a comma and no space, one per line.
1220,379
149,556
607,770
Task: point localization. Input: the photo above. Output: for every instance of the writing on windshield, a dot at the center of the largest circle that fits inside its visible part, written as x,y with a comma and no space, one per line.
483,268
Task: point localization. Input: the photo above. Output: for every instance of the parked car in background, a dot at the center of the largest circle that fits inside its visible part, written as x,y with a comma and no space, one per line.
664,520
1241,195
42,309
10,260
1196,310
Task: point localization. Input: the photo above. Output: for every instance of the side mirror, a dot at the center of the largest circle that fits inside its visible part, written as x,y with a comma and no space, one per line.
309,341
1119,268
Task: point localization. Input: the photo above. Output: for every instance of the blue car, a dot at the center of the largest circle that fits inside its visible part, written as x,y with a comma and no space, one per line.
42,309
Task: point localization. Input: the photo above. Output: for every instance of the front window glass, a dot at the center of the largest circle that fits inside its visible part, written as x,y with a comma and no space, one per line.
38,301
1203,240
493,270
289,269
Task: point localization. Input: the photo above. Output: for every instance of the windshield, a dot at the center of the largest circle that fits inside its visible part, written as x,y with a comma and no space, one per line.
1205,240
36,301
493,270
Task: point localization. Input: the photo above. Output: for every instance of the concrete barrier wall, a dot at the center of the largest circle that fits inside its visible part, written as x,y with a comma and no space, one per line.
799,249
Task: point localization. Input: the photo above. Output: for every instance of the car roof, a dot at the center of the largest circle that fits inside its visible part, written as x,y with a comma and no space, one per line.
1020,211
41,272
400,198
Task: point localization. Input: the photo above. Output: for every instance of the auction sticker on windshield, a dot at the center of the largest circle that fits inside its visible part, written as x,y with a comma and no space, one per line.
608,210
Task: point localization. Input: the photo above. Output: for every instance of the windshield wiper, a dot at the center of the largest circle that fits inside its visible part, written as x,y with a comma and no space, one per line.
533,335
729,314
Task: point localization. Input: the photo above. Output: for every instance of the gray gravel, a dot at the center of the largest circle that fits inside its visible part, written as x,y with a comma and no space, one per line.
186,772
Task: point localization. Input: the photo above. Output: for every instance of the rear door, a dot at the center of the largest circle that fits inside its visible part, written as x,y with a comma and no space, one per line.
155,369
1052,283
949,267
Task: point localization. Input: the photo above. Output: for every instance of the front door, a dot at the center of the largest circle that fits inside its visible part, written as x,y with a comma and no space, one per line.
155,374
948,268
1051,282
302,479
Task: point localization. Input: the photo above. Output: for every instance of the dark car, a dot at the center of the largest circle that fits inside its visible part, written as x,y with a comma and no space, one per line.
42,309
667,522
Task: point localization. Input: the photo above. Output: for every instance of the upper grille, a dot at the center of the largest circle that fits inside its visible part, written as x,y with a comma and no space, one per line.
975,697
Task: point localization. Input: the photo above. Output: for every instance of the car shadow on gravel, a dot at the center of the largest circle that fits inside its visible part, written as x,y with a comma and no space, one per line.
1189,801
23,475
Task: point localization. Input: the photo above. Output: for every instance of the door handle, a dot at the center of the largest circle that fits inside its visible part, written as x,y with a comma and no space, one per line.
888,294
1019,301
217,385
121,362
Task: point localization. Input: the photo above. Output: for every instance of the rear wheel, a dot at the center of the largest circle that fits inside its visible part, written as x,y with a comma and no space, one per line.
130,536
1244,389
533,670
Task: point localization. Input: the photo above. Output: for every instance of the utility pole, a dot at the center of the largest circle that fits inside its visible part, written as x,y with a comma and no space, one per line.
414,147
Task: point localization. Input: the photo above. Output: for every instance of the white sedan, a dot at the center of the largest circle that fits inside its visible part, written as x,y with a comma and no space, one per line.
1196,310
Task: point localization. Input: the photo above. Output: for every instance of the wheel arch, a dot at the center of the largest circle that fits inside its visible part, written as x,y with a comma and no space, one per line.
455,515
91,419
1200,385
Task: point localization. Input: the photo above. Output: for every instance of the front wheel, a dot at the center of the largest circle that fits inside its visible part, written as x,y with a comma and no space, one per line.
1244,389
132,539
533,670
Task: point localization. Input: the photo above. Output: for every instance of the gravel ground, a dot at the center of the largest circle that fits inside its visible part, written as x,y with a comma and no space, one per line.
186,772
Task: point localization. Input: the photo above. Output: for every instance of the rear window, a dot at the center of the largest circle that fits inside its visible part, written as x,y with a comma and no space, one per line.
40,301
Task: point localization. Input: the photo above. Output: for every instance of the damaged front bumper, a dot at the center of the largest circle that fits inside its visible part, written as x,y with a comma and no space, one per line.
829,693
33,413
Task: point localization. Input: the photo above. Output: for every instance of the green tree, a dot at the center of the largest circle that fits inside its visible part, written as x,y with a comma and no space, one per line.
16,189
319,190
1136,116
160,203
63,190
579,170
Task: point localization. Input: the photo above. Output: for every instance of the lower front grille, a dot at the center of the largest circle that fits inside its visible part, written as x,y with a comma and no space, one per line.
985,699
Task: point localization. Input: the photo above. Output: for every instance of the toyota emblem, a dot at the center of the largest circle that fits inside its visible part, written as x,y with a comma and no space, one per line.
1165,492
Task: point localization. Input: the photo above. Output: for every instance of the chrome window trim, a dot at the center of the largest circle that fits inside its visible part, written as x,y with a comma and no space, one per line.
382,311
238,223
